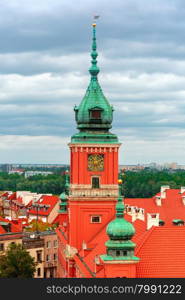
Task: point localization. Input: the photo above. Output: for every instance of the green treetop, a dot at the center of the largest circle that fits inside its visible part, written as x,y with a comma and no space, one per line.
17,262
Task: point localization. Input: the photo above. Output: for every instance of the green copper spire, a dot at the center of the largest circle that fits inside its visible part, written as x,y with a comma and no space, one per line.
67,184
64,196
94,70
120,232
94,114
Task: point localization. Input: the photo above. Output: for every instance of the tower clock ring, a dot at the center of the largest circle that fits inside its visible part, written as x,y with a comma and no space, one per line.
95,162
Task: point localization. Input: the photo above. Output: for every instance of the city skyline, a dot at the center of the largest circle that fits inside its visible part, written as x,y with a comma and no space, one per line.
44,73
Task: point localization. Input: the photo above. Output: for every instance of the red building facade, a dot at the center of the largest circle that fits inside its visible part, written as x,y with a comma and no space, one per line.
89,202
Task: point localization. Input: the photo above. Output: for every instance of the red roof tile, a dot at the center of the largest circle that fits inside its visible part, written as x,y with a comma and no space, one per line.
162,253
2,231
12,196
47,200
160,249
172,206
14,227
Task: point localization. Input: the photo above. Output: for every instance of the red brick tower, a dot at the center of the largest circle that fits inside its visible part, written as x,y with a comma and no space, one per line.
94,163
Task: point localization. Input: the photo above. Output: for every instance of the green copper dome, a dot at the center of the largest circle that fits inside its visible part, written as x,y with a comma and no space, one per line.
63,196
119,247
120,229
94,112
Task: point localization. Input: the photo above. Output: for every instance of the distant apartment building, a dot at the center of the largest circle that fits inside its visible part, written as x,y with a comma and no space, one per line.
181,167
33,173
6,167
152,165
16,171
131,168
172,165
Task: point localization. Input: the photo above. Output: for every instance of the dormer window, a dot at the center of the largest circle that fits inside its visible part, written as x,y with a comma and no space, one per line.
95,219
153,216
95,114
161,223
178,222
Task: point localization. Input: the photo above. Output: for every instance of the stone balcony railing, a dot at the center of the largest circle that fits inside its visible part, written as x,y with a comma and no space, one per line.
92,192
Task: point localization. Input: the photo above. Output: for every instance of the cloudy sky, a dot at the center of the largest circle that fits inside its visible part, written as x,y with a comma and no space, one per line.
44,61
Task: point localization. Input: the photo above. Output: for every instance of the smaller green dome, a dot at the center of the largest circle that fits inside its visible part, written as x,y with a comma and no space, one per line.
63,196
120,229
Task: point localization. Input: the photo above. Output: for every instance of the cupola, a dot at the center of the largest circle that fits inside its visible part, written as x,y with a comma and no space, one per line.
94,112
120,232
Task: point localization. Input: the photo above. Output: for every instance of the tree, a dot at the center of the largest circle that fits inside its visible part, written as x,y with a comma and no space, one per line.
40,226
17,262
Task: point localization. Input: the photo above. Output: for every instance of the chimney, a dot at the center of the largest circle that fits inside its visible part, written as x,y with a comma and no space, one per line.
140,214
182,190
84,245
98,264
163,191
183,200
152,220
158,200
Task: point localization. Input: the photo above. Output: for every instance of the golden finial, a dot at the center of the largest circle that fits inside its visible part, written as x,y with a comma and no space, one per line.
95,17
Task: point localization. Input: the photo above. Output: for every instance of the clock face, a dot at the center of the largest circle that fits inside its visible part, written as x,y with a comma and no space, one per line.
95,162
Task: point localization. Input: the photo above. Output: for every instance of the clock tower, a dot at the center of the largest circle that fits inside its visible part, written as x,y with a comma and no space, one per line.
93,162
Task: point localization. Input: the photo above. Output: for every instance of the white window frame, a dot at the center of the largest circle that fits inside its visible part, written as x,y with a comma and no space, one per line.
95,216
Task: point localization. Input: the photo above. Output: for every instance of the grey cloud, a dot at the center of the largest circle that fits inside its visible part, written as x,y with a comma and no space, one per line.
61,25
44,59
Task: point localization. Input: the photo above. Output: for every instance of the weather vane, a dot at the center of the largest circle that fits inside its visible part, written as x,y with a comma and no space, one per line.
95,17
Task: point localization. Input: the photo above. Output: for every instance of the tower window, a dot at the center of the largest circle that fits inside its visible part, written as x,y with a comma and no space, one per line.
95,114
117,253
95,183
95,219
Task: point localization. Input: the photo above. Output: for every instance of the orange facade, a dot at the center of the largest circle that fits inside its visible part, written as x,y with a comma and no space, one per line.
86,202
79,163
